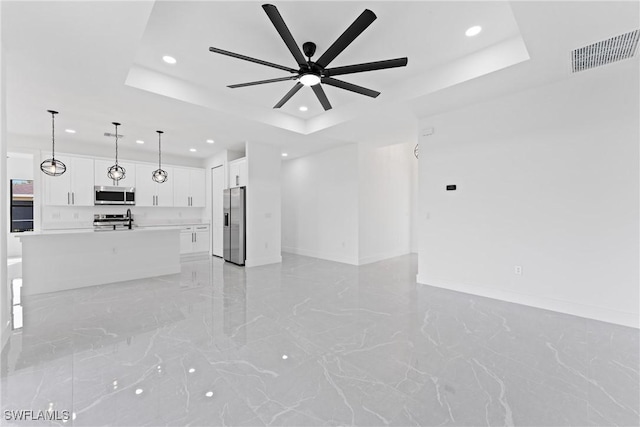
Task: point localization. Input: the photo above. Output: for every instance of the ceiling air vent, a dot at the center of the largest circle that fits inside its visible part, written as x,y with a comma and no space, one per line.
605,52
113,135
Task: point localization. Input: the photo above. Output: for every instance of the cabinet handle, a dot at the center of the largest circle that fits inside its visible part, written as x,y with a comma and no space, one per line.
237,180
68,198
73,198
155,200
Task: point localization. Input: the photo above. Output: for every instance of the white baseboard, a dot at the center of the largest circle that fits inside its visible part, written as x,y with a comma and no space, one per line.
382,256
603,314
255,262
321,255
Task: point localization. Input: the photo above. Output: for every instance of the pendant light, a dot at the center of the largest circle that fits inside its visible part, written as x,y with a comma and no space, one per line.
52,166
116,172
159,175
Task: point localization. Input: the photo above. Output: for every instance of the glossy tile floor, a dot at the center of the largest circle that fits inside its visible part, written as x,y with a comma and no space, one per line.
313,342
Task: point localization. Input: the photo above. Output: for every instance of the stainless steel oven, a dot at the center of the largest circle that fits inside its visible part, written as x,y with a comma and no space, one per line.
114,195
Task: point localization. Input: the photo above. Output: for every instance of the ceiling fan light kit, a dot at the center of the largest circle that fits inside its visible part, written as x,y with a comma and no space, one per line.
315,74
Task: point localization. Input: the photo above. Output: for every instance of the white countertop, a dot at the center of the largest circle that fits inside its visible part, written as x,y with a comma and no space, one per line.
96,232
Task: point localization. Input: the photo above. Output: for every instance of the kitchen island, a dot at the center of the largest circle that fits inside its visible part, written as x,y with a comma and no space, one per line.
69,259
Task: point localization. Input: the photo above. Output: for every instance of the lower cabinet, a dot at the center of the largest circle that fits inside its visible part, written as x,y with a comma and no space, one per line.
194,239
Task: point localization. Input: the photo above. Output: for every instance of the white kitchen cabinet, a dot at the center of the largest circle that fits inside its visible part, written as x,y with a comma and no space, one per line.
189,187
101,178
186,240
238,173
74,187
194,239
201,238
151,193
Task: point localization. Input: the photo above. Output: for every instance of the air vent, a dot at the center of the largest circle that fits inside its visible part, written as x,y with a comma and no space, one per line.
605,52
113,135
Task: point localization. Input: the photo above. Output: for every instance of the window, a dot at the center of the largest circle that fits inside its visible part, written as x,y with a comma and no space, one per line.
21,205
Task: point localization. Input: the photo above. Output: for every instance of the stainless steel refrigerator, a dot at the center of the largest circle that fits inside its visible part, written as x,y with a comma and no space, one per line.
234,225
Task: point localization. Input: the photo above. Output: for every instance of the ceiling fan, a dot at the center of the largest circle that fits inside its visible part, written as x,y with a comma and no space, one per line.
312,73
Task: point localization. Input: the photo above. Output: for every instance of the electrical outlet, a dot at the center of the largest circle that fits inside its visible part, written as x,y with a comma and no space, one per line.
517,269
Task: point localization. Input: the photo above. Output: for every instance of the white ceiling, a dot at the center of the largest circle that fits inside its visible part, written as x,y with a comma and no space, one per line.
98,62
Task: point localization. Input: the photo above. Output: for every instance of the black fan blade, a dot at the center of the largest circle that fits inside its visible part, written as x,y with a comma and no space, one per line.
322,97
367,66
283,30
359,25
289,94
247,58
259,82
349,86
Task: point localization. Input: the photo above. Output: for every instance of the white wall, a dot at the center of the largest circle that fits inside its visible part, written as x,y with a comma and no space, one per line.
547,180
384,197
263,209
5,304
320,205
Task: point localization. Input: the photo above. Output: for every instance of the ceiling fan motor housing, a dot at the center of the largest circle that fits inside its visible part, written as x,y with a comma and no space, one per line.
309,49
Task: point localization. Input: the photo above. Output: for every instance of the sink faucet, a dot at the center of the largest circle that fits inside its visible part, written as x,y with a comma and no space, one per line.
129,218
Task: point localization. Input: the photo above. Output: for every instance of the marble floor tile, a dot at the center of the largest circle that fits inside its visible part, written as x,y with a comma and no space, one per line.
312,343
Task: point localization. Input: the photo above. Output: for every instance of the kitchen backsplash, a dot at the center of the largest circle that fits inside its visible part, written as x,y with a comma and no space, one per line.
63,217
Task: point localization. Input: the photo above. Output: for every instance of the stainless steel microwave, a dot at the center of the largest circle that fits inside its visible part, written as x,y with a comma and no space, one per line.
114,195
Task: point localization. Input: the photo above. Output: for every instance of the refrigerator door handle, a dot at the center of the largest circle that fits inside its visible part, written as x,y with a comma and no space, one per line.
226,219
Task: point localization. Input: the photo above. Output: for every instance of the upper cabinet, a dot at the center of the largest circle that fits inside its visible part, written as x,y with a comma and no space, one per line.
185,187
149,192
238,173
188,187
74,187
101,178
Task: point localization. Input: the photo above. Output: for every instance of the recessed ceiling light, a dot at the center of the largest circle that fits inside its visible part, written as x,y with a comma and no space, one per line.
284,154
70,131
139,391
191,370
303,108
169,59
473,31
285,357
139,141
209,394
210,141
193,150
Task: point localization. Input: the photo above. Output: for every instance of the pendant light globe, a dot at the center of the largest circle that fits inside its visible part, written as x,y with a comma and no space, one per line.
159,175
116,172
53,166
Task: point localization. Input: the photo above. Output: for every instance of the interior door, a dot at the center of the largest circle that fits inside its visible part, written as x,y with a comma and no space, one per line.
217,211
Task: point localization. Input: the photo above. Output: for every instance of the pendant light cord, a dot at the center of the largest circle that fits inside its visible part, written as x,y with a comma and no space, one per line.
159,151
53,136
116,144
